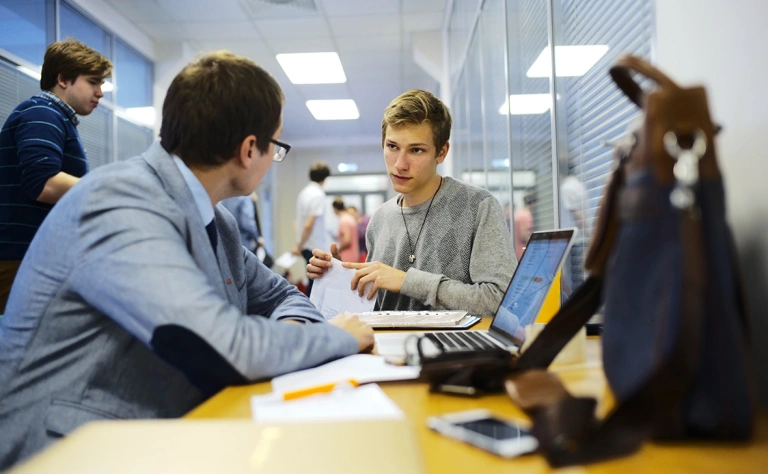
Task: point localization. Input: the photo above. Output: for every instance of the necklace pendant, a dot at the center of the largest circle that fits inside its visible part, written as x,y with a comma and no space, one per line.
412,258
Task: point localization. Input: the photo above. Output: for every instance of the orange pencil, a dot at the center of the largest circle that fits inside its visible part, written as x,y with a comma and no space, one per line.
329,387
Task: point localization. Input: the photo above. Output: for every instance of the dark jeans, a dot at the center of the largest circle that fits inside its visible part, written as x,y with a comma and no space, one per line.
307,254
8,270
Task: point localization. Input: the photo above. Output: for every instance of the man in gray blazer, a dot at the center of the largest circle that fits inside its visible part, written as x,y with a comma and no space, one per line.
136,299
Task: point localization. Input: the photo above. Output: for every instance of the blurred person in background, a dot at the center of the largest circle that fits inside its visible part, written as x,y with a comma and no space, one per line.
362,226
348,243
523,229
310,214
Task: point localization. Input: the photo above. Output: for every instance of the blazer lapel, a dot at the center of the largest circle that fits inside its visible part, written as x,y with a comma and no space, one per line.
197,238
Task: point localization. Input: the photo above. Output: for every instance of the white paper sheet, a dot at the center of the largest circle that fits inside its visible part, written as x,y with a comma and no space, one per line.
332,295
368,402
286,260
363,368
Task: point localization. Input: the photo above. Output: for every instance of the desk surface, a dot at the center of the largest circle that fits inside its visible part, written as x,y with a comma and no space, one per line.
443,455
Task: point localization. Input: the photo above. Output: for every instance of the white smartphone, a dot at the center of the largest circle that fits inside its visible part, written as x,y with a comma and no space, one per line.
482,429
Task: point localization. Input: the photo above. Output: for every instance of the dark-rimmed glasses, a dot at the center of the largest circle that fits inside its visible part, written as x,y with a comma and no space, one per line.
281,149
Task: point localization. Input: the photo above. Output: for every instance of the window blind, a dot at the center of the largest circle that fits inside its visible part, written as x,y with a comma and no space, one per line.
595,110
132,139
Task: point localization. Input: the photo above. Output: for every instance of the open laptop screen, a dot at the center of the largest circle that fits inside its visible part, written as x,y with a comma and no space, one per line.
534,275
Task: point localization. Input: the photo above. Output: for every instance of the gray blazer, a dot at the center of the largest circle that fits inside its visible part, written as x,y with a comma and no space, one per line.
122,310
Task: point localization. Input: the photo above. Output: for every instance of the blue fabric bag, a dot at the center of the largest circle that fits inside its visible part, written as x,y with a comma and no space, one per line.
662,260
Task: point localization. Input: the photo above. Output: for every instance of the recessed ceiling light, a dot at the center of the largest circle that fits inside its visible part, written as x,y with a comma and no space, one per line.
342,109
107,87
312,68
570,61
526,104
347,167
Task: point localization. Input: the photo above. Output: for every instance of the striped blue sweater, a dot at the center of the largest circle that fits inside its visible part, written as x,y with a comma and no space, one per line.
38,140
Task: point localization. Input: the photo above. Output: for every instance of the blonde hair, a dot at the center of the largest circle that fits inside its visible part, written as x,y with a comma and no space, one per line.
416,107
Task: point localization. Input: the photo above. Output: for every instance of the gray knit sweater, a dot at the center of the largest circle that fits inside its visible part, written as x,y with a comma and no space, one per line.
464,257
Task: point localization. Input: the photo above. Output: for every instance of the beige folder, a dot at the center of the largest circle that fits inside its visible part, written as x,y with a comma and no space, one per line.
218,446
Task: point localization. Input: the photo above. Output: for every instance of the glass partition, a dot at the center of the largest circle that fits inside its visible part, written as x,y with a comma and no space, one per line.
589,36
533,102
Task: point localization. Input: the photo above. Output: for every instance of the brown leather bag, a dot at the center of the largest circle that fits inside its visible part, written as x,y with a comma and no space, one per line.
662,260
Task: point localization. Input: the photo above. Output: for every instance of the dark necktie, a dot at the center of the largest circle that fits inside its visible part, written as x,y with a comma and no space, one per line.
212,235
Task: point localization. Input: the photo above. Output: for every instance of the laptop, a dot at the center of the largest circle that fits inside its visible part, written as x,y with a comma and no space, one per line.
544,255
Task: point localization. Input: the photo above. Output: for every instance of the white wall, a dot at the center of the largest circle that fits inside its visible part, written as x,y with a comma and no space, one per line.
170,59
721,43
119,24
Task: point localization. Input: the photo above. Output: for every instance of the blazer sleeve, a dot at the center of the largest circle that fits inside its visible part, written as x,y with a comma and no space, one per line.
135,267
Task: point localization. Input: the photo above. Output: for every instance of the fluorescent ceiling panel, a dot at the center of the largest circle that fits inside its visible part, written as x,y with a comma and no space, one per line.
347,167
312,68
526,104
342,109
570,61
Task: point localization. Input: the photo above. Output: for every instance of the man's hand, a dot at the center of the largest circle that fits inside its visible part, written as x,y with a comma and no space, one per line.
321,261
379,275
360,330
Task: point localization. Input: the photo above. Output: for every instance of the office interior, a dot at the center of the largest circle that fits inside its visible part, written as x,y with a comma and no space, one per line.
530,111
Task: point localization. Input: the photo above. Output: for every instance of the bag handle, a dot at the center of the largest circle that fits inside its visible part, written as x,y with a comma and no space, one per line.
622,77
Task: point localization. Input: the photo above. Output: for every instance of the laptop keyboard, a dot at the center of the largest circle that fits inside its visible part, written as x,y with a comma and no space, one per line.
463,341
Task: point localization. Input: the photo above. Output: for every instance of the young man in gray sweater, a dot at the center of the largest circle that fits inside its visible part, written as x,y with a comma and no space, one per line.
440,244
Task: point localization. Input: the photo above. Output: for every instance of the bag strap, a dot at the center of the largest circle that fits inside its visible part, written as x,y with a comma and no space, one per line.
571,317
622,77
607,218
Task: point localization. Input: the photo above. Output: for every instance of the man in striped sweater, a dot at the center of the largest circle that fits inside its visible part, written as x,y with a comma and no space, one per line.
41,155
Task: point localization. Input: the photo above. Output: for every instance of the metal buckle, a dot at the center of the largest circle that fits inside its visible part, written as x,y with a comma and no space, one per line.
686,169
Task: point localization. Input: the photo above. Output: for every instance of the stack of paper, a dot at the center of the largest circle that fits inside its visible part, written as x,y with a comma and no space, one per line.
363,368
367,402
332,295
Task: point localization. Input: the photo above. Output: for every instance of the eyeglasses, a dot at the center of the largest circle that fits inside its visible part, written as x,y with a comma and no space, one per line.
281,149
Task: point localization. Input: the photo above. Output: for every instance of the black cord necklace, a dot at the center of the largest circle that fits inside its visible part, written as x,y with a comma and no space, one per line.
411,245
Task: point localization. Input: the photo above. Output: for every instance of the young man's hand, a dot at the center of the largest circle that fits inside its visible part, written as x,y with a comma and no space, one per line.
379,275
360,330
321,261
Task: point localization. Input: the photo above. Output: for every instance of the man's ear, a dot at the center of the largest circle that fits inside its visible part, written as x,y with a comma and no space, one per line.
61,82
443,153
247,151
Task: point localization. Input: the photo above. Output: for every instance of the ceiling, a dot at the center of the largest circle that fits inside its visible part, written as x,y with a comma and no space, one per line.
372,37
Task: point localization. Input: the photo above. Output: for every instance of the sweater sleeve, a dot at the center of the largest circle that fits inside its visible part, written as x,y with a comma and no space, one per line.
40,138
492,263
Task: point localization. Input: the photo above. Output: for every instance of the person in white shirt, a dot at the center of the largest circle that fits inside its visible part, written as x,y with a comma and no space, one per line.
310,214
